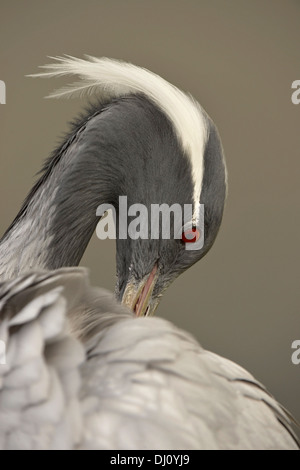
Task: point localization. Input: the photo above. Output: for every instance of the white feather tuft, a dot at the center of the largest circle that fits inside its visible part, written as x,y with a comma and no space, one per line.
114,78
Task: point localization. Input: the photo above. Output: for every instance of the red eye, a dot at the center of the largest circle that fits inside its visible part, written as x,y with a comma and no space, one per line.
190,235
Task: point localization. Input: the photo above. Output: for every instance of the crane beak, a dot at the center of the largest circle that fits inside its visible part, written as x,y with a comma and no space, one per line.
137,297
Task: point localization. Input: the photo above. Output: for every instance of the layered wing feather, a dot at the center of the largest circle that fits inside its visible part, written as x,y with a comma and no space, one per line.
81,372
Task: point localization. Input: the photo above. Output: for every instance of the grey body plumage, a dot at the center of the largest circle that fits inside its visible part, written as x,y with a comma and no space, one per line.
83,372
139,382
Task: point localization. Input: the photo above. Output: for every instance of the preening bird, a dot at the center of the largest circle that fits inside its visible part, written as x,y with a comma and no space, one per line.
83,370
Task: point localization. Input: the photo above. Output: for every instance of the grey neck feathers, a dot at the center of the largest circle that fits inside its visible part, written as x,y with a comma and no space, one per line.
59,216
115,150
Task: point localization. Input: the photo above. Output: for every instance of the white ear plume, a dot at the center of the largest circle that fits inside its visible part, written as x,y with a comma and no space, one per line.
114,78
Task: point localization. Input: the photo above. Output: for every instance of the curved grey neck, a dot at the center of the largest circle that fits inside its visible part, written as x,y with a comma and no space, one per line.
59,216
116,150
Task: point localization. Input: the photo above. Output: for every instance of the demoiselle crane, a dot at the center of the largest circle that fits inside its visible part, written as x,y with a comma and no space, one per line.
80,370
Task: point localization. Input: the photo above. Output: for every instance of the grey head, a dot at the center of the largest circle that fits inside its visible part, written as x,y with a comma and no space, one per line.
159,175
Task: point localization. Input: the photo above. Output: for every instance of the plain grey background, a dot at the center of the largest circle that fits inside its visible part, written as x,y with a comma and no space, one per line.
239,59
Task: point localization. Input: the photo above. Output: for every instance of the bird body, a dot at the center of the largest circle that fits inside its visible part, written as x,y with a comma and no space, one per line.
82,371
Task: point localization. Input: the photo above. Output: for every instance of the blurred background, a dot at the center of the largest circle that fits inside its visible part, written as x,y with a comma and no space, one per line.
239,59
